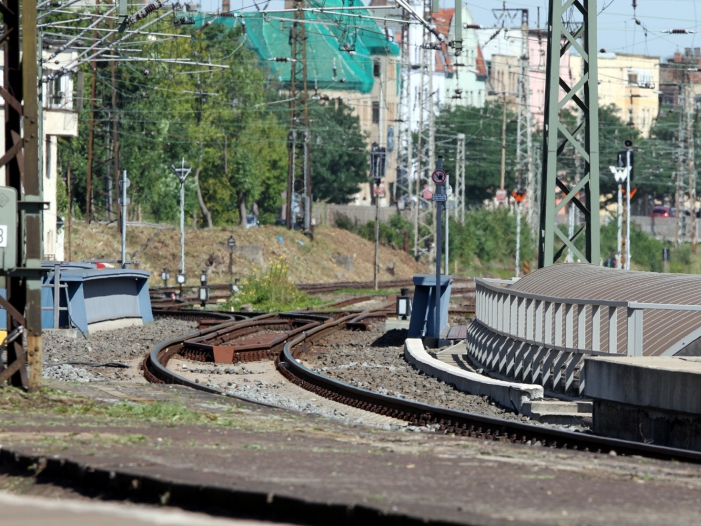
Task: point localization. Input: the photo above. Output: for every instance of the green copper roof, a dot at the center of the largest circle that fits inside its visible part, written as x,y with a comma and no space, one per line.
346,43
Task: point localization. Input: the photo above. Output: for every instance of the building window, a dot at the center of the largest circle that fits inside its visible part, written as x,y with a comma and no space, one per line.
376,68
375,112
632,78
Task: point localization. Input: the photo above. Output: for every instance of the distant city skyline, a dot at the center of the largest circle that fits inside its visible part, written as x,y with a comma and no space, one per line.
617,29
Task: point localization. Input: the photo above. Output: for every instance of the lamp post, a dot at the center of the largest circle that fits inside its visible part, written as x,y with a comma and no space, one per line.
232,246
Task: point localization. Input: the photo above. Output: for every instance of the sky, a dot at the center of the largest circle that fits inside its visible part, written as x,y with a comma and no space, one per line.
617,29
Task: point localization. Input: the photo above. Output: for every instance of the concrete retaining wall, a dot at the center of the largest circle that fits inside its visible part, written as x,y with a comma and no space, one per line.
646,399
507,394
326,214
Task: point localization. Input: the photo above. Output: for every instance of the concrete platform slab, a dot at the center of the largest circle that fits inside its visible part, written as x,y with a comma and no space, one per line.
648,399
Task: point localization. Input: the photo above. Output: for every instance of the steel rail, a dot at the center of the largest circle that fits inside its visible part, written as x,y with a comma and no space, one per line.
448,421
464,423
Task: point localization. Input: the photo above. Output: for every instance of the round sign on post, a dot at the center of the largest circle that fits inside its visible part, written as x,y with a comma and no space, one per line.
439,177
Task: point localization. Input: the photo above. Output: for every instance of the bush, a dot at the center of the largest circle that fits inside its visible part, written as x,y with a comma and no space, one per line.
272,290
488,237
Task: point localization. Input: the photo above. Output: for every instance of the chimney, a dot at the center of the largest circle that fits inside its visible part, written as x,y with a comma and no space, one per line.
677,57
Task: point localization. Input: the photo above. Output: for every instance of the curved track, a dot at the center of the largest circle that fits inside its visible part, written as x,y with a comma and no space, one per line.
298,330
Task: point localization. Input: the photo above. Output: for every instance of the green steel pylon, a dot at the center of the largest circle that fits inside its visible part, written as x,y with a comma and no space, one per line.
571,24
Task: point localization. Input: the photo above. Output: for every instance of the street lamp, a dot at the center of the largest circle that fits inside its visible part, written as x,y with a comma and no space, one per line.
232,245
165,277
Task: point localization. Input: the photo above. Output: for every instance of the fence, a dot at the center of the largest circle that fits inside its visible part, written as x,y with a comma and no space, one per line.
544,340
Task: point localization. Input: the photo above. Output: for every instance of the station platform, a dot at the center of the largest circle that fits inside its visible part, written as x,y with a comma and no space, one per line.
647,399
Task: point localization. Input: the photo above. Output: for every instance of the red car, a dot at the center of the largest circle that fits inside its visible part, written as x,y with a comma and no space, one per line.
663,211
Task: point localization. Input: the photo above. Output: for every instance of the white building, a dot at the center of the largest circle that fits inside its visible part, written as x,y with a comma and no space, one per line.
59,120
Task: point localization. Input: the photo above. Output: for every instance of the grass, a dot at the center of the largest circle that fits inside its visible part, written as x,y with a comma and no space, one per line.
54,402
271,290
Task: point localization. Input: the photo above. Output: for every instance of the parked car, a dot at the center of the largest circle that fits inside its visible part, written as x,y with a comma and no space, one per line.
251,221
663,211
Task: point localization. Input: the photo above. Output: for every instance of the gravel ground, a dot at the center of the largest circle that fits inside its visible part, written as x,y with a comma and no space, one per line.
260,382
375,361
128,346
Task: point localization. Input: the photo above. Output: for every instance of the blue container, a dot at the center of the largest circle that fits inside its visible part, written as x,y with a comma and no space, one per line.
423,308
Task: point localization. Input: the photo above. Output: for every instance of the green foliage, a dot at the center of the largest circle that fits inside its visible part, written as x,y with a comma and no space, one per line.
218,120
62,201
271,290
488,238
392,233
482,129
338,151
645,250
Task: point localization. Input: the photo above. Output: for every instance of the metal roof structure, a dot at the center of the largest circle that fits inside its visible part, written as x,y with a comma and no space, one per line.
666,332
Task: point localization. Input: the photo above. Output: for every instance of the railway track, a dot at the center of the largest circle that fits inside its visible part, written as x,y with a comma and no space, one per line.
286,337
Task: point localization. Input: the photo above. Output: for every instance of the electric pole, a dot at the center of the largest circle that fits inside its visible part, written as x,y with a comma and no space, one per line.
460,203
690,110
571,23
423,209
299,122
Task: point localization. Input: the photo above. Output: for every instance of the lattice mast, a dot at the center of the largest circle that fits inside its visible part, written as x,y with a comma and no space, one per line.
423,208
402,187
579,32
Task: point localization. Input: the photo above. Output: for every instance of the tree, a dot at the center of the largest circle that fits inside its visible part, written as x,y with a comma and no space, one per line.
217,119
482,130
339,154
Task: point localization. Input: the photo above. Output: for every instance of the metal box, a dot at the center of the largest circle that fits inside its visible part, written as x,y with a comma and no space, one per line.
8,228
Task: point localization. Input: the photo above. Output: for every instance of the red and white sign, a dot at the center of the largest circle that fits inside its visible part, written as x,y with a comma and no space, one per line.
439,177
501,195
428,195
379,190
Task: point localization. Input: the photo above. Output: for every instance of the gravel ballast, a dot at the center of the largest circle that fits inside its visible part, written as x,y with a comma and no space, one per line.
374,360
128,345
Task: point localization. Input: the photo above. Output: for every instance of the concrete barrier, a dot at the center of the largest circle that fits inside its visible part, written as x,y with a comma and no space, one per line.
507,394
646,399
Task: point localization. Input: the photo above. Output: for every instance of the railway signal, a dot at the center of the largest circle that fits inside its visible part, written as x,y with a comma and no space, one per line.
165,277
623,173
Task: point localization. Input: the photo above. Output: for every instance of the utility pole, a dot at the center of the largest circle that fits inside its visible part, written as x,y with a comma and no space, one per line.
503,139
402,187
678,195
562,34
524,142
22,249
299,120
91,132
460,203
690,110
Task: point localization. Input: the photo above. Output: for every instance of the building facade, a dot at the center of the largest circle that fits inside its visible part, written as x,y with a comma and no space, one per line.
631,83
